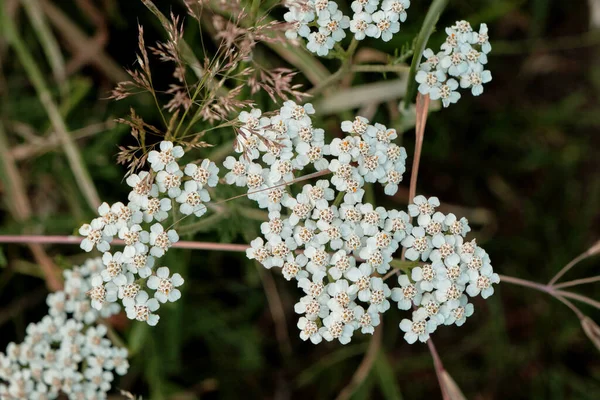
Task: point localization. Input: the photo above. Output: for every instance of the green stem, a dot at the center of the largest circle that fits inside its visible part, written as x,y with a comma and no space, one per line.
339,198
48,41
339,74
435,10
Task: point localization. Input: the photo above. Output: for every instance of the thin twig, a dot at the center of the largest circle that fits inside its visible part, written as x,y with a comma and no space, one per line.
550,290
42,239
399,69
362,372
277,312
589,252
439,367
575,282
422,108
50,143
578,297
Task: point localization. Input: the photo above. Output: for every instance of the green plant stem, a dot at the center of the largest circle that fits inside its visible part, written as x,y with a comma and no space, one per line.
400,69
48,41
340,73
435,10
74,158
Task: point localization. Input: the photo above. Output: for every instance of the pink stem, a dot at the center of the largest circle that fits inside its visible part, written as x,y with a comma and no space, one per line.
41,239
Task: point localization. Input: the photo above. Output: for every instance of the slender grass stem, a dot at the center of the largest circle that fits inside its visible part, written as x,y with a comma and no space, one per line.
72,153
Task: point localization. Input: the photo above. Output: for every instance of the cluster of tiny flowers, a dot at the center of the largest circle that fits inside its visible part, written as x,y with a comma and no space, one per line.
332,249
452,269
337,250
154,193
462,57
372,18
66,353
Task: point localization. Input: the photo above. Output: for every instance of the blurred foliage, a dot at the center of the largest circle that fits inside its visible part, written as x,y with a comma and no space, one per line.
526,152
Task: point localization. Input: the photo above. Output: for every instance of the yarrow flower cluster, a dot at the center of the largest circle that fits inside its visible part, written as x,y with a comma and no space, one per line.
450,268
460,62
67,352
154,193
338,250
370,18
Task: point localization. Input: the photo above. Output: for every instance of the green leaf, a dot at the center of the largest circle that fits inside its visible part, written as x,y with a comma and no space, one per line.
386,377
435,10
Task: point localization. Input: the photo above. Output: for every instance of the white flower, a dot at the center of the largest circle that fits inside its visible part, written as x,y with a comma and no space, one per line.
417,244
129,291
169,180
257,251
141,264
364,5
423,208
361,276
447,92
417,330
205,174
341,262
166,288
344,149
110,219
397,223
320,42
483,39
157,209
481,282
427,277
167,155
407,294
142,186
341,292
455,63
430,308
143,309
293,269
293,111
366,320
475,79
314,286
94,236
320,194
334,21
458,315
192,199
281,250
237,175
276,226
444,250
336,329
311,308
309,330
360,23
160,240
114,268
379,295
386,24
428,81
134,238
396,8
431,60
